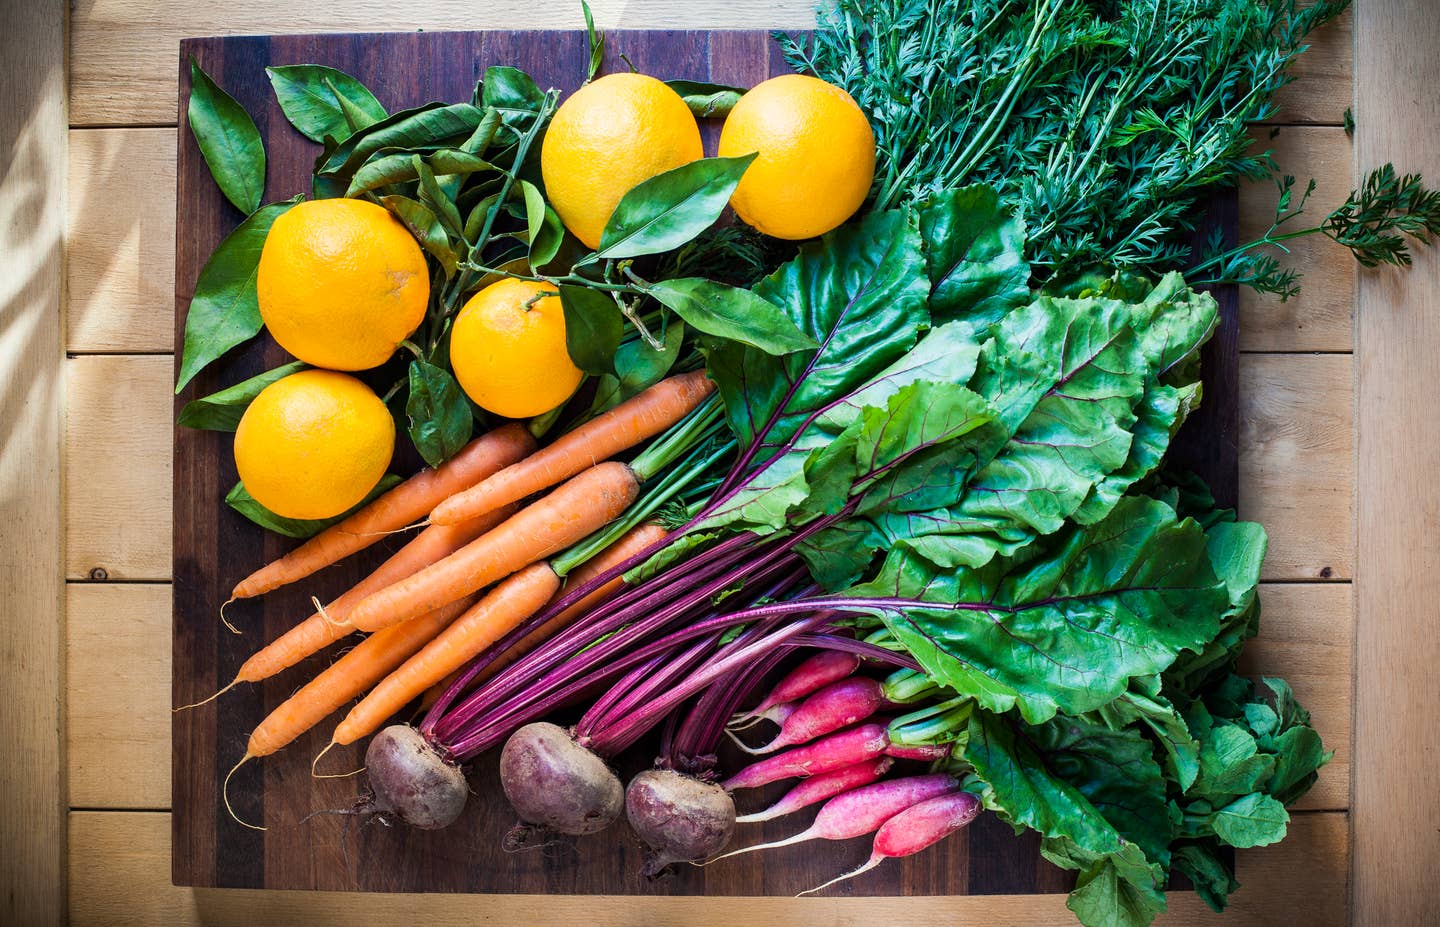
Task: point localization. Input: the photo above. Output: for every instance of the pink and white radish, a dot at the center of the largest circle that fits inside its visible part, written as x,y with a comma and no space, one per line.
828,709
927,752
836,751
810,675
920,826
818,788
863,810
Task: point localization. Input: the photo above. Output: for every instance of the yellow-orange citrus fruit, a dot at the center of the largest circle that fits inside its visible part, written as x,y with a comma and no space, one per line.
816,156
607,137
509,358
313,444
341,283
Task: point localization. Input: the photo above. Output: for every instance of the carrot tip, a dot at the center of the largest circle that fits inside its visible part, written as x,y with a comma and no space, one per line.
316,775
225,793
205,701
225,621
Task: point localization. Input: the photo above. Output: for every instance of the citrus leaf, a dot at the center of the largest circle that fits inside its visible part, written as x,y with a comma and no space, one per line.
593,327
433,124
228,140
669,209
638,366
437,202
439,417
399,168
225,309
546,243
706,100
596,42
314,98
426,228
511,93
241,501
475,146
221,411
733,313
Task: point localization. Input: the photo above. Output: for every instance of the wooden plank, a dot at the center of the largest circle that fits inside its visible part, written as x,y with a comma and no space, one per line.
1296,468
1306,633
117,467
123,51
1322,89
1398,359
120,877
32,228
1320,318
118,667
120,269
116,630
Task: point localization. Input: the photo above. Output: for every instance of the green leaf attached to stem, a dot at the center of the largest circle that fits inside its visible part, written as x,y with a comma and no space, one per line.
222,411
669,209
228,140
440,421
241,501
321,101
225,309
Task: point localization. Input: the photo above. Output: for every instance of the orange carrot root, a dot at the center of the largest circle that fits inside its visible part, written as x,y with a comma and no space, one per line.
621,428
577,508
395,510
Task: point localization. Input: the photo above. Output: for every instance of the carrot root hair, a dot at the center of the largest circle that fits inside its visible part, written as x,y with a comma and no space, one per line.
317,775
320,610
225,793
205,701
380,534
226,621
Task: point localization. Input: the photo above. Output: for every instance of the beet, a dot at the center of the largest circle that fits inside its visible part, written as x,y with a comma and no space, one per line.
555,783
682,818
412,781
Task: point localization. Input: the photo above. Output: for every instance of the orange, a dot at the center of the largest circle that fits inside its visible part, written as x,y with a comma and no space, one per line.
509,358
341,283
313,444
816,156
607,137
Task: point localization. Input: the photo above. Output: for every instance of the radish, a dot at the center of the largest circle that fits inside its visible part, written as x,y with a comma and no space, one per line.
920,826
927,752
846,748
863,810
818,788
810,675
837,705
555,783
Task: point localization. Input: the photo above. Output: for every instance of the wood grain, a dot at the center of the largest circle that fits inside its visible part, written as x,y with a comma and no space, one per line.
1397,786
115,631
118,698
32,228
1320,318
120,878
122,50
1306,636
1296,467
120,268
117,467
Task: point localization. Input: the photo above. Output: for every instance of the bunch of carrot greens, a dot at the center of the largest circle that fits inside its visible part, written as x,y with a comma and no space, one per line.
919,461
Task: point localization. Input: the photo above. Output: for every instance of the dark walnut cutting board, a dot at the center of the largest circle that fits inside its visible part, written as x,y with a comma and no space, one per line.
214,547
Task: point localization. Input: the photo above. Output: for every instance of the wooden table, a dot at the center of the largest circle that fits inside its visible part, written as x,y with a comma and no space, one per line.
1340,441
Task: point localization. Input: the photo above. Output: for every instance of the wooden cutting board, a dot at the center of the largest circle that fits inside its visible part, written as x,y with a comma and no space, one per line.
214,547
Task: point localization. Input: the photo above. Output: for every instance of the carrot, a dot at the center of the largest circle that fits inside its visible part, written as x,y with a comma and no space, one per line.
601,438
496,614
631,543
401,506
370,661
321,630
584,504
